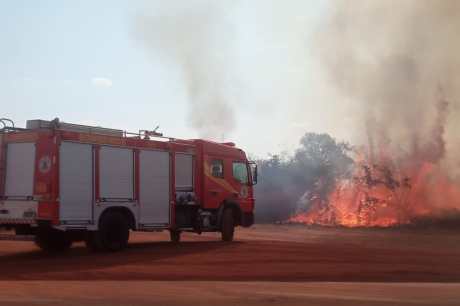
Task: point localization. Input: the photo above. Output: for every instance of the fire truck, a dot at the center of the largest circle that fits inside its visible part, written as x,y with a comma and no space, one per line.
62,182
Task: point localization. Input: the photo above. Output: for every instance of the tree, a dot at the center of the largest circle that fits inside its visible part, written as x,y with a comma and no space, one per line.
315,167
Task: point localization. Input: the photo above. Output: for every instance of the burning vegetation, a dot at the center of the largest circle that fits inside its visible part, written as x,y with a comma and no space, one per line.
397,65
384,190
331,183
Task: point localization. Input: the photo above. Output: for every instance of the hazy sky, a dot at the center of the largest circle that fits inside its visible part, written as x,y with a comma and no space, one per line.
85,62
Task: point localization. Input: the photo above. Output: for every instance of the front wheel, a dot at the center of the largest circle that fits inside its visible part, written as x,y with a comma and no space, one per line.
113,233
228,225
174,236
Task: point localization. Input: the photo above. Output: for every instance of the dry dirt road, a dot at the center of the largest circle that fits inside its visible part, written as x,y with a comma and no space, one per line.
266,265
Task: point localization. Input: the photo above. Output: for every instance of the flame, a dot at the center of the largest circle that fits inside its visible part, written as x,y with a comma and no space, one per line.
390,187
383,192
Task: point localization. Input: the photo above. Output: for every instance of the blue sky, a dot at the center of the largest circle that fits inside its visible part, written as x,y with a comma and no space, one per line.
83,62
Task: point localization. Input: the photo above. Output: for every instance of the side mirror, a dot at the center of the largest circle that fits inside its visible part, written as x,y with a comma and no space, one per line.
254,172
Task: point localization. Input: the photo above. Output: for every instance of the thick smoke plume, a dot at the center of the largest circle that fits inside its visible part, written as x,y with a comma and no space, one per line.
400,62
194,36
396,64
392,68
238,59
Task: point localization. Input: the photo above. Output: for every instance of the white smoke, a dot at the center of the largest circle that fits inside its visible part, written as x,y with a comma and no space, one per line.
377,64
238,59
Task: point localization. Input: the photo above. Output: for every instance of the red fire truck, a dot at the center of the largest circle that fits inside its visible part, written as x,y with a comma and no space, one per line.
62,182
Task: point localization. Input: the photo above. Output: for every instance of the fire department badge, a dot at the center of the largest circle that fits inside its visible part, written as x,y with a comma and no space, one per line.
44,164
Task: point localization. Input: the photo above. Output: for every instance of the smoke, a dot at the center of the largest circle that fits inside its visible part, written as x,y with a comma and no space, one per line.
387,64
196,37
399,64
238,59
385,73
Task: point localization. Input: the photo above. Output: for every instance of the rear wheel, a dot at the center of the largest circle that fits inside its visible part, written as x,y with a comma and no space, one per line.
113,233
228,225
175,236
52,240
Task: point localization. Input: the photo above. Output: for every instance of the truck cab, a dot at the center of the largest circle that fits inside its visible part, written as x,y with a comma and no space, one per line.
228,179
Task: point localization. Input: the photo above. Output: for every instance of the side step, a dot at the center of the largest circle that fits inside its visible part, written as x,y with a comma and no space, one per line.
12,237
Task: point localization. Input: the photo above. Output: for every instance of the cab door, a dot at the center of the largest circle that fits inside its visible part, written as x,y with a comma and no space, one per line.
217,181
241,181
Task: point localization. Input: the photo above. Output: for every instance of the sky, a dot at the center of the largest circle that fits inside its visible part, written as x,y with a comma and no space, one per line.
87,62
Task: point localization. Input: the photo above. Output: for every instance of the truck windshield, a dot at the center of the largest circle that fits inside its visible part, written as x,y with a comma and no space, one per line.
240,172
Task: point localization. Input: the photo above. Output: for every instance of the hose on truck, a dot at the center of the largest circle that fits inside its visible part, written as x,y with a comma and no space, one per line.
7,124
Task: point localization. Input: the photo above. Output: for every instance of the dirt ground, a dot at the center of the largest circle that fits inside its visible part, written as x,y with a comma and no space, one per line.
267,264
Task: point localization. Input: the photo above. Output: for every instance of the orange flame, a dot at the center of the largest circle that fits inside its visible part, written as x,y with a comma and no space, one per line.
384,194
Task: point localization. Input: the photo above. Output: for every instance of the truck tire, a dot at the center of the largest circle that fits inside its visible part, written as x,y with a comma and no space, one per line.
92,242
175,236
228,225
52,240
113,233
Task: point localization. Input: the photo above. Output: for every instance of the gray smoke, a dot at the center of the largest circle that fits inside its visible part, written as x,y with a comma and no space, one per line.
196,37
386,64
399,64
386,73
238,58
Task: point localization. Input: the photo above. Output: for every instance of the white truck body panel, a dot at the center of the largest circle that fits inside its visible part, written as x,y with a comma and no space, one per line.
78,207
184,172
116,173
20,169
154,188
76,182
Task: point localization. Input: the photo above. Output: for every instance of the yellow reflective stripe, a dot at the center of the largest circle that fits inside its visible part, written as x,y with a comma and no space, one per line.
221,182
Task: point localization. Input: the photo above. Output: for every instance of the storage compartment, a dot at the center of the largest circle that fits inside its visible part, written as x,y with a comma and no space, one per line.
20,166
154,187
116,174
76,182
184,172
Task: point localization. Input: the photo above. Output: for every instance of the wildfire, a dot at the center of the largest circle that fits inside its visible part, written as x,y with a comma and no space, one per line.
389,189
383,194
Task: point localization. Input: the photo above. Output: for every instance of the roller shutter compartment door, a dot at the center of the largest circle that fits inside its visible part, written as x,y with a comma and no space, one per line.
20,168
116,174
76,182
184,172
154,187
